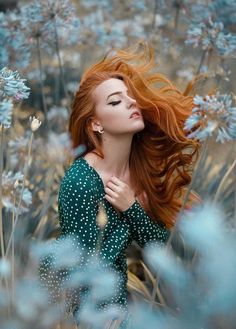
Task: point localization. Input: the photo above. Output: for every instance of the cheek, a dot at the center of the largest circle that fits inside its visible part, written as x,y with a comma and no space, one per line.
113,119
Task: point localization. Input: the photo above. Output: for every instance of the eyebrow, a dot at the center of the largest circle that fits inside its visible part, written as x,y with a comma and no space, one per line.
115,93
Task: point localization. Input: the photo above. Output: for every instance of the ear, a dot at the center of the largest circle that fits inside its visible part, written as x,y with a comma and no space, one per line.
96,125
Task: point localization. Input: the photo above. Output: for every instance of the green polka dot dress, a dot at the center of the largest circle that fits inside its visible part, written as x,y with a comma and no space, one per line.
80,194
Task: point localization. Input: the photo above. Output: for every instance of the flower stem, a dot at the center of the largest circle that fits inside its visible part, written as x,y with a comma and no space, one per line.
1,171
41,80
13,258
202,60
62,75
21,194
218,191
38,232
176,19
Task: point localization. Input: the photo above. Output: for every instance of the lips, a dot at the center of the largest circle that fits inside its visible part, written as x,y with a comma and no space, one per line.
134,114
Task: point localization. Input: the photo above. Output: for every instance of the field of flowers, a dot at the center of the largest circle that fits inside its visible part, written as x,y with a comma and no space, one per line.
44,47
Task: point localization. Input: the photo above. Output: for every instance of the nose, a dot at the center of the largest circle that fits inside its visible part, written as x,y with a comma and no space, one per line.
131,102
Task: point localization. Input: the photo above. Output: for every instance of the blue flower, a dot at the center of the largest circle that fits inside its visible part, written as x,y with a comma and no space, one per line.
14,46
12,85
212,116
211,36
6,107
46,20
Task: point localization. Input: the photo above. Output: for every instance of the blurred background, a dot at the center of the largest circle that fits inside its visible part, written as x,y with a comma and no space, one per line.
49,44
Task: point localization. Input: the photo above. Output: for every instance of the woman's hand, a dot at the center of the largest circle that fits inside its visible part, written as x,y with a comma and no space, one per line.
119,194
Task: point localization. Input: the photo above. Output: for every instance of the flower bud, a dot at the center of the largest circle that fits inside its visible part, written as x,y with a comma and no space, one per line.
16,184
35,124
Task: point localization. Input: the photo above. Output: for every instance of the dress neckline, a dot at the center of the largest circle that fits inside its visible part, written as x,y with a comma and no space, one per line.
93,170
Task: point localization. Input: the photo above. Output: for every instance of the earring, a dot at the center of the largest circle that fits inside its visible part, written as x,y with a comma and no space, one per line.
101,131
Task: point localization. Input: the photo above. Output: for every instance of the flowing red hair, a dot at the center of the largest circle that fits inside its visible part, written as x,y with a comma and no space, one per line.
162,157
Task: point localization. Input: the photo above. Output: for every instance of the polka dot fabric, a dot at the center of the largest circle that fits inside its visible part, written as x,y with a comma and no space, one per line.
80,194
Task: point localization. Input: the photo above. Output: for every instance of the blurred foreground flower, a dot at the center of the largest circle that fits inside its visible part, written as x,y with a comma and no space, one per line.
214,116
23,301
84,281
5,268
202,293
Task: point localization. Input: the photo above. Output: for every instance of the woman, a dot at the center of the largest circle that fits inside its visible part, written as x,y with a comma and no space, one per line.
137,159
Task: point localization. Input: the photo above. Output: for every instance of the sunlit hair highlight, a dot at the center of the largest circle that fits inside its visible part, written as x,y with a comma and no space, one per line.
162,157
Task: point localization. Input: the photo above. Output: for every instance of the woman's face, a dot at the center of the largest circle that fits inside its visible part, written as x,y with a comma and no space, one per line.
114,109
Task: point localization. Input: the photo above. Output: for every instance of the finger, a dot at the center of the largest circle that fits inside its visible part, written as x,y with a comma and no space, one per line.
112,186
111,193
116,180
109,198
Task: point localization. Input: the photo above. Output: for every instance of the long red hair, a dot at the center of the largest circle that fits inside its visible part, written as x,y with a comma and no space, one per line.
162,157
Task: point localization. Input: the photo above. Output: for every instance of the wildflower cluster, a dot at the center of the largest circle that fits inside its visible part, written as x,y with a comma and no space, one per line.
12,185
14,48
211,36
220,10
47,19
12,87
214,116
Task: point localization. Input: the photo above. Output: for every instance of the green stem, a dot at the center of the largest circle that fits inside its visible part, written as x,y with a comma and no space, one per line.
176,19
154,14
49,180
156,291
1,171
41,79
13,259
21,194
62,75
218,191
235,204
202,60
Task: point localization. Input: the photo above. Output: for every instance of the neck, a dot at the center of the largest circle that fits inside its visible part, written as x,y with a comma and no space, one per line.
116,155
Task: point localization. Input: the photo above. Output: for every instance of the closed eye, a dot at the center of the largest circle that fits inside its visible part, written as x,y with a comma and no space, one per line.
114,103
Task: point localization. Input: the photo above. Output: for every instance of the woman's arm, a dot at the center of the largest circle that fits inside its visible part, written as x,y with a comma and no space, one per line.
78,207
143,229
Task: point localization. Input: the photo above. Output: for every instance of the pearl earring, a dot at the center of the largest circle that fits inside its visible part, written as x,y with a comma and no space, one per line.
101,131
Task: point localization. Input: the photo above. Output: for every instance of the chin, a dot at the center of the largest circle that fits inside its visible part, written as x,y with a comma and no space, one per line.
142,126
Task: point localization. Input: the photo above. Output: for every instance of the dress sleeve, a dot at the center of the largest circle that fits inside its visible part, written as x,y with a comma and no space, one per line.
77,209
143,229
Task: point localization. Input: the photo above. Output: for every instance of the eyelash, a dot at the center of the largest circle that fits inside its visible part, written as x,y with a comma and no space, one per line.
114,103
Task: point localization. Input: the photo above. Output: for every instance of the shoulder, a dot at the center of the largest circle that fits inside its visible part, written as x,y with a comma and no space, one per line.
76,176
